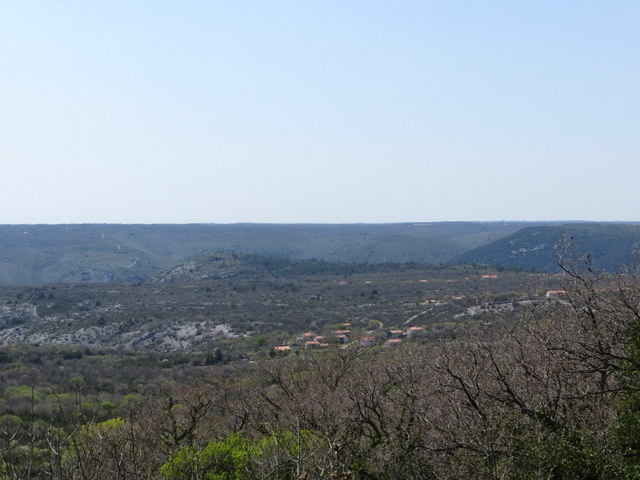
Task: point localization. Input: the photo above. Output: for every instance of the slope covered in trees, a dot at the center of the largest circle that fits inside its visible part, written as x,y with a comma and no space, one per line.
533,248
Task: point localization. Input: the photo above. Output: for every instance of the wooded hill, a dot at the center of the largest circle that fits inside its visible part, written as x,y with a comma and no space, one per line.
610,245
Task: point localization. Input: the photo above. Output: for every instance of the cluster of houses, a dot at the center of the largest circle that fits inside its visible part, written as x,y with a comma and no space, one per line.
310,340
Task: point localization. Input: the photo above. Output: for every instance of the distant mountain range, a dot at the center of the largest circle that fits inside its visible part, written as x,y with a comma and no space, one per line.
36,254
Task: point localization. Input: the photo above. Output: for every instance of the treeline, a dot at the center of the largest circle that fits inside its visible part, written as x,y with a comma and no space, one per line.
555,395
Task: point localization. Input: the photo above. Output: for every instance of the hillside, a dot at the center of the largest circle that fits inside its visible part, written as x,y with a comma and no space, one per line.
225,300
611,245
261,267
406,361
36,254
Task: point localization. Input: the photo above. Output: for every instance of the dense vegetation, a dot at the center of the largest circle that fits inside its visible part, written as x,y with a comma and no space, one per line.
527,387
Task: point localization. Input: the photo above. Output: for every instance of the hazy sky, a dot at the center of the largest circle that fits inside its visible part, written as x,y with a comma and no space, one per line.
126,111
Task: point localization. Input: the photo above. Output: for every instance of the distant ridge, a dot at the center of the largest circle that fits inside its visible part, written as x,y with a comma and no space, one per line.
612,245
35,254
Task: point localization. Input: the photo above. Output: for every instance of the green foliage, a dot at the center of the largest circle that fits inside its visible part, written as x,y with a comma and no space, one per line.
627,428
566,454
261,341
100,449
374,324
24,391
10,422
95,432
237,458
228,459
108,406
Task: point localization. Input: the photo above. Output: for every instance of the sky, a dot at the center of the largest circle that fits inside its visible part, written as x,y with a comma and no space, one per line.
333,111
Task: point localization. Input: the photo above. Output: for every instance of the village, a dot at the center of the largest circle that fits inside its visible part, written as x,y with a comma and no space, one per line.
344,336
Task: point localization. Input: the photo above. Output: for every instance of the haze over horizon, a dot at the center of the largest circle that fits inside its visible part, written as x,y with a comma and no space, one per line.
318,112
424,222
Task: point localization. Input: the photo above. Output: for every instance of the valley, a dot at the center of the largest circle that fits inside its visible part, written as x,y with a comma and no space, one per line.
245,365
247,296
